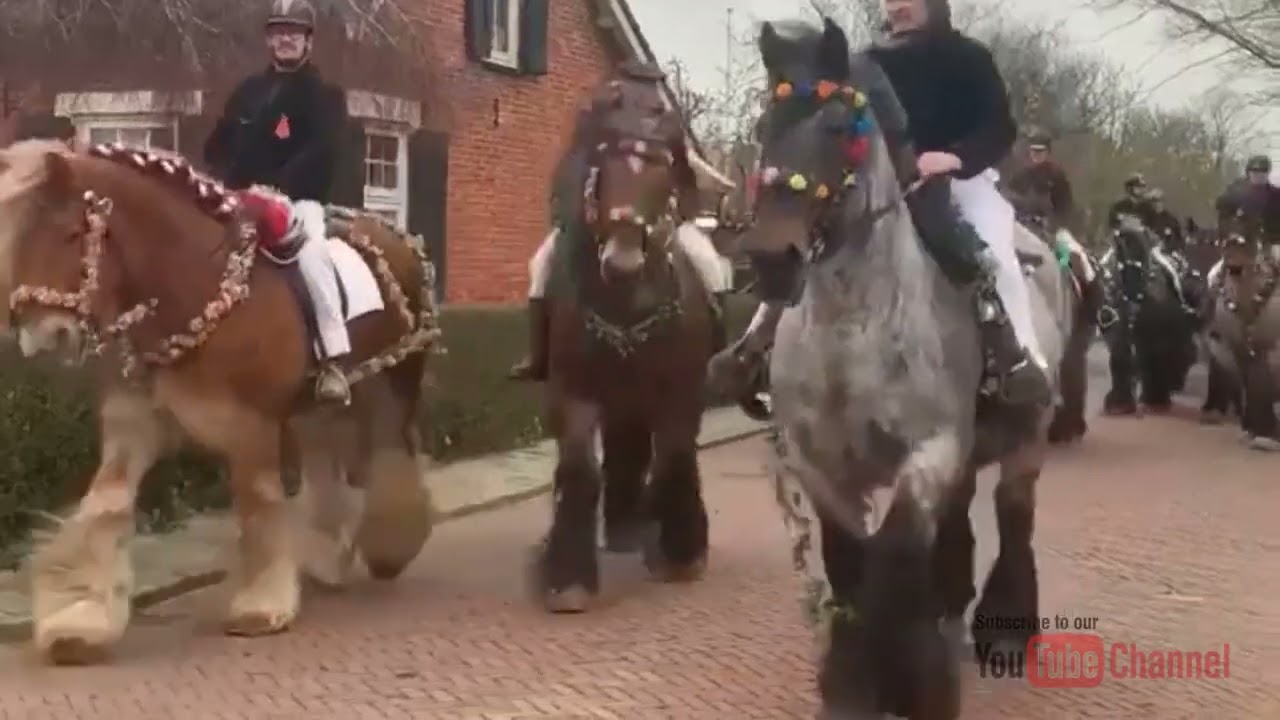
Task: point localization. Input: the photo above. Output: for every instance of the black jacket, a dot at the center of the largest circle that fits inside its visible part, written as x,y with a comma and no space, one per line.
279,129
1166,226
954,97
1259,204
1044,189
1129,206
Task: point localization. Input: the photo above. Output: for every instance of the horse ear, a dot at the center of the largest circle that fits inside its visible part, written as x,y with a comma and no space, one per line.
833,52
59,179
768,44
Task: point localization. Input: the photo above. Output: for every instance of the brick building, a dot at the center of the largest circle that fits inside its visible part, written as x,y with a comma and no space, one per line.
465,162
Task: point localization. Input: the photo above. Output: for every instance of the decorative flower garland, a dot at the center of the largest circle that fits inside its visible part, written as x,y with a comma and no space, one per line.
624,340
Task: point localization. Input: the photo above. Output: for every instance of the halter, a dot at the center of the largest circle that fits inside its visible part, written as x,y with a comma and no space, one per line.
625,339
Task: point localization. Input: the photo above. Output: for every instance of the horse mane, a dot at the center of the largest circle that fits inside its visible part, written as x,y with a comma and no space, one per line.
174,172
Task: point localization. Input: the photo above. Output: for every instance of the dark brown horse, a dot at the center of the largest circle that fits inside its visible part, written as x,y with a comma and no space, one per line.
139,260
631,333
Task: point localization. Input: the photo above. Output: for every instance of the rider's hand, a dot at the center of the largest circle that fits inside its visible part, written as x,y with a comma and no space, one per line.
937,163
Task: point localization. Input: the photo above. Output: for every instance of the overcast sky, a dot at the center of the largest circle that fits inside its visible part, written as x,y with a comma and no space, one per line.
694,31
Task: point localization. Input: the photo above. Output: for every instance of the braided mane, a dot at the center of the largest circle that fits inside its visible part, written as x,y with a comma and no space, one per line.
173,170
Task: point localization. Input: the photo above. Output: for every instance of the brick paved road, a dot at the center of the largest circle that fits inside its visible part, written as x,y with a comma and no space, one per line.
1163,530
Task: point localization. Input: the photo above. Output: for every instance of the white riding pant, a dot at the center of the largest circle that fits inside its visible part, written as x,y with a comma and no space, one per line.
1215,273
715,270
993,218
321,278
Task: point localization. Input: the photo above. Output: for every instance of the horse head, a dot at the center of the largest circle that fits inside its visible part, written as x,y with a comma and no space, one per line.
823,162
637,173
80,241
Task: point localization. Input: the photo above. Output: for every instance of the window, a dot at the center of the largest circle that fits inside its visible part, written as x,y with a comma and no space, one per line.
504,42
142,119
143,134
508,36
386,175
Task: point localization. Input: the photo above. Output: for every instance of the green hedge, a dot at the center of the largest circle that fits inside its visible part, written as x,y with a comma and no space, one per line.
48,433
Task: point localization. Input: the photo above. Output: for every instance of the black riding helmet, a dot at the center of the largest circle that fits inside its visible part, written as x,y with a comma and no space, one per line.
1135,182
1258,163
292,13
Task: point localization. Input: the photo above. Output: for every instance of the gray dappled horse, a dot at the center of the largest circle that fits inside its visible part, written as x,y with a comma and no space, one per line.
1148,327
877,371
1244,327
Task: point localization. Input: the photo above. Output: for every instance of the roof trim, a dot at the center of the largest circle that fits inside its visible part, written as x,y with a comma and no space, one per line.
618,18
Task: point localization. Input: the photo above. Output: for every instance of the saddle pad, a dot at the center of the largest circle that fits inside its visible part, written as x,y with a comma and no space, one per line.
363,295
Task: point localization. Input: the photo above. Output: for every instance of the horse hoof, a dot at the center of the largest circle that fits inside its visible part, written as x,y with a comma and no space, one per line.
76,651
255,624
572,600
668,572
1264,444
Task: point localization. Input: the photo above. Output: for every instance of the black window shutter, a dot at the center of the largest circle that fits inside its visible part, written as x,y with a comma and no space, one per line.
429,197
478,26
533,36
43,126
347,187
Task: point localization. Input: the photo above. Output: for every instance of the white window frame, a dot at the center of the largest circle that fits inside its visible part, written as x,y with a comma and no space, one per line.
384,200
86,124
393,117
136,109
509,57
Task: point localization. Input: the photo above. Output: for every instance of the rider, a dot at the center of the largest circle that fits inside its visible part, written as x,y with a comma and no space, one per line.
695,242
1042,176
1253,196
960,135
1164,224
1134,202
279,129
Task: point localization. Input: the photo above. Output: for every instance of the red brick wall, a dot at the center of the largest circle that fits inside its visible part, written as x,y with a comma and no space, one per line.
499,176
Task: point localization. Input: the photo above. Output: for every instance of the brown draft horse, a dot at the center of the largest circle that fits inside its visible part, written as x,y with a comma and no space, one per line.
139,260
631,334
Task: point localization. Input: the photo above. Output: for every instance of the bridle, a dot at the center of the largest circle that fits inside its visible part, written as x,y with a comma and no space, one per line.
625,338
82,302
826,201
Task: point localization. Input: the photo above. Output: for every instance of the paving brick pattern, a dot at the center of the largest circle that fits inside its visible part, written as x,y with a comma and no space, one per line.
1163,530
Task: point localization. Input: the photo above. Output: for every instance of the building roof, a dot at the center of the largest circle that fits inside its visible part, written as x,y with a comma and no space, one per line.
615,18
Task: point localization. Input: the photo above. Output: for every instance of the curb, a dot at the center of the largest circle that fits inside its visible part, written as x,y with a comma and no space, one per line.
20,631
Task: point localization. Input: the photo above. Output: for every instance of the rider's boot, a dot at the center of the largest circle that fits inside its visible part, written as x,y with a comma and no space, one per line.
1023,381
738,371
331,383
533,367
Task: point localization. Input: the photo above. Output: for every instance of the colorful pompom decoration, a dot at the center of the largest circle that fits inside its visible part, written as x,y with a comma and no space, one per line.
822,192
856,149
826,89
784,91
798,183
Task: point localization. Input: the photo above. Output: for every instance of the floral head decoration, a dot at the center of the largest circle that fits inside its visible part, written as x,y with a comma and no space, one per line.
856,142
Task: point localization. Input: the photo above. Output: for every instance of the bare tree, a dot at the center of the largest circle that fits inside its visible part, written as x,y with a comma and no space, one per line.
1248,30
175,43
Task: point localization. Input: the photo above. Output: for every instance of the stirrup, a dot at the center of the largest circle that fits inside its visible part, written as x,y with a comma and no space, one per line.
1107,316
